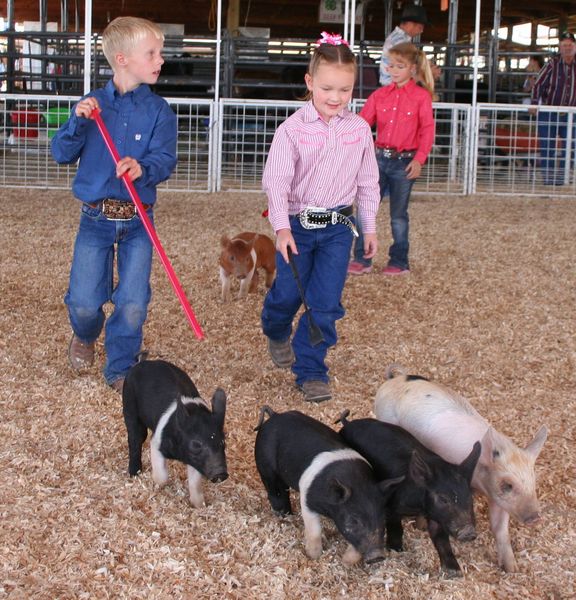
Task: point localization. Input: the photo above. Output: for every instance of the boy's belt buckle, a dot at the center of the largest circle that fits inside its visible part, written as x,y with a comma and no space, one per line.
117,210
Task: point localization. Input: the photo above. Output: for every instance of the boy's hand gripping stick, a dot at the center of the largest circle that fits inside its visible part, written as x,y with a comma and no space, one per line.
149,228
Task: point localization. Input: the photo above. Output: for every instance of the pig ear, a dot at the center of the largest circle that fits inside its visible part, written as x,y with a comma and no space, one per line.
487,454
469,463
181,413
338,493
224,241
387,484
219,405
419,470
534,447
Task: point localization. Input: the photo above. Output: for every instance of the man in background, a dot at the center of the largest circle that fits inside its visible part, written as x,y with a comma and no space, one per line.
556,86
412,22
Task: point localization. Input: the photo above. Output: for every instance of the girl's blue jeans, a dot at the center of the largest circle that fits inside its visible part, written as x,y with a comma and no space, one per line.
393,181
92,285
322,261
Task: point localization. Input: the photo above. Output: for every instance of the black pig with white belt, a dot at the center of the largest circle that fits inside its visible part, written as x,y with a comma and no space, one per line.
295,451
159,396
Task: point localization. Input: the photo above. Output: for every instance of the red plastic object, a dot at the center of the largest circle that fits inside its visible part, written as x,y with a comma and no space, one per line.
25,122
150,229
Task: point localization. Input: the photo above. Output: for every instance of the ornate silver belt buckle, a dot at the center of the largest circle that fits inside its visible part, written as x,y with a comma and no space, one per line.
304,217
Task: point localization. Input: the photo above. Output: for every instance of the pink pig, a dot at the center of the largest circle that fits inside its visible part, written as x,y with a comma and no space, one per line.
448,425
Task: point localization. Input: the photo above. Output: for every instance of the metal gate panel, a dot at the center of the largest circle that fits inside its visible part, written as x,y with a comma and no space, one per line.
510,150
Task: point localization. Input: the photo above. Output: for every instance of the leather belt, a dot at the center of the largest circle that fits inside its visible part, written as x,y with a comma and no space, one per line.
117,210
316,217
393,153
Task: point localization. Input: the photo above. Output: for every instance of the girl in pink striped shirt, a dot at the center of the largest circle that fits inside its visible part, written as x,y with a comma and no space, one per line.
322,156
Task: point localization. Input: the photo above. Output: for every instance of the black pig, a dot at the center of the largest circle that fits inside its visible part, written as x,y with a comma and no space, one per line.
295,451
159,396
432,488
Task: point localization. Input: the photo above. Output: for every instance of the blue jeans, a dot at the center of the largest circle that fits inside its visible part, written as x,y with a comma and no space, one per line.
92,285
358,251
321,261
553,128
393,174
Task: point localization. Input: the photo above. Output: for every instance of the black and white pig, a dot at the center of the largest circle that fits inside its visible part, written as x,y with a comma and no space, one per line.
432,488
295,451
159,396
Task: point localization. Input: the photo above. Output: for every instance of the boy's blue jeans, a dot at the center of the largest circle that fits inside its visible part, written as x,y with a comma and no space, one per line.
393,181
92,285
321,261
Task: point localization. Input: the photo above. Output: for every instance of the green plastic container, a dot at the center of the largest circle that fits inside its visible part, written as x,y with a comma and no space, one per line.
54,118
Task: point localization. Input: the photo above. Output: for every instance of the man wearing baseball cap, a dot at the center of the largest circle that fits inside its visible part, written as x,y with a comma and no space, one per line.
412,23
556,86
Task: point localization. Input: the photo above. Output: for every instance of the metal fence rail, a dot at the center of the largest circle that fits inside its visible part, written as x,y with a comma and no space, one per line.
509,142
493,149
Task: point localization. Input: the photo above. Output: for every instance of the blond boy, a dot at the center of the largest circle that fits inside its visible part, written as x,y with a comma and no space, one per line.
143,128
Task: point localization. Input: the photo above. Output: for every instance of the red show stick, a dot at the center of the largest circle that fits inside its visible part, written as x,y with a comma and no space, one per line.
149,228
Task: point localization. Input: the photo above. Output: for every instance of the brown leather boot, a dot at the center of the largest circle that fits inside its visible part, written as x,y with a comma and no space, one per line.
316,391
281,353
80,355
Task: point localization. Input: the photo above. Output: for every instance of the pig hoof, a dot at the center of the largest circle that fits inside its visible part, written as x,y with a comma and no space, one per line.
159,480
351,556
314,550
510,567
197,501
452,573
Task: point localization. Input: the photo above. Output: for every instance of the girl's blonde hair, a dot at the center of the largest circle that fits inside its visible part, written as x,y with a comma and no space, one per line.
411,54
330,54
123,34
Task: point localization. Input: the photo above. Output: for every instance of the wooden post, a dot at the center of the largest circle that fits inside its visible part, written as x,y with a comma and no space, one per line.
233,17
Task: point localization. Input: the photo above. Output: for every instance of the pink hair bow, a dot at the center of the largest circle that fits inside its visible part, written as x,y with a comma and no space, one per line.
334,39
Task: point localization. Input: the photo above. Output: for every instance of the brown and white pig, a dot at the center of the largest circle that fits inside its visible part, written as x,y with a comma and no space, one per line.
158,395
447,424
241,257
293,450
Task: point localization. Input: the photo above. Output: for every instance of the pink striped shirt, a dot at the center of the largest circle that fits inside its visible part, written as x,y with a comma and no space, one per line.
314,163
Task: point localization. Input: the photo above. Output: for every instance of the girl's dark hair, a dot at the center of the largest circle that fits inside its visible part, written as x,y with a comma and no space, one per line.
330,54
539,59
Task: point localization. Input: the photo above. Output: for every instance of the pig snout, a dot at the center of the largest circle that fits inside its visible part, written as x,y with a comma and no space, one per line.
219,477
466,534
532,519
373,556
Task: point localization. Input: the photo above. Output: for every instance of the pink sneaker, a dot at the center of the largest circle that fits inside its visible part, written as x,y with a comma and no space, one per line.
391,270
357,268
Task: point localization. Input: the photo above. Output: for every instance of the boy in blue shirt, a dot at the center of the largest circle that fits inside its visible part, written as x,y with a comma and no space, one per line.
144,130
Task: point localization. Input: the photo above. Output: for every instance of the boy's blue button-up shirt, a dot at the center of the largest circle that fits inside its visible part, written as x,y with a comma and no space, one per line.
142,126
